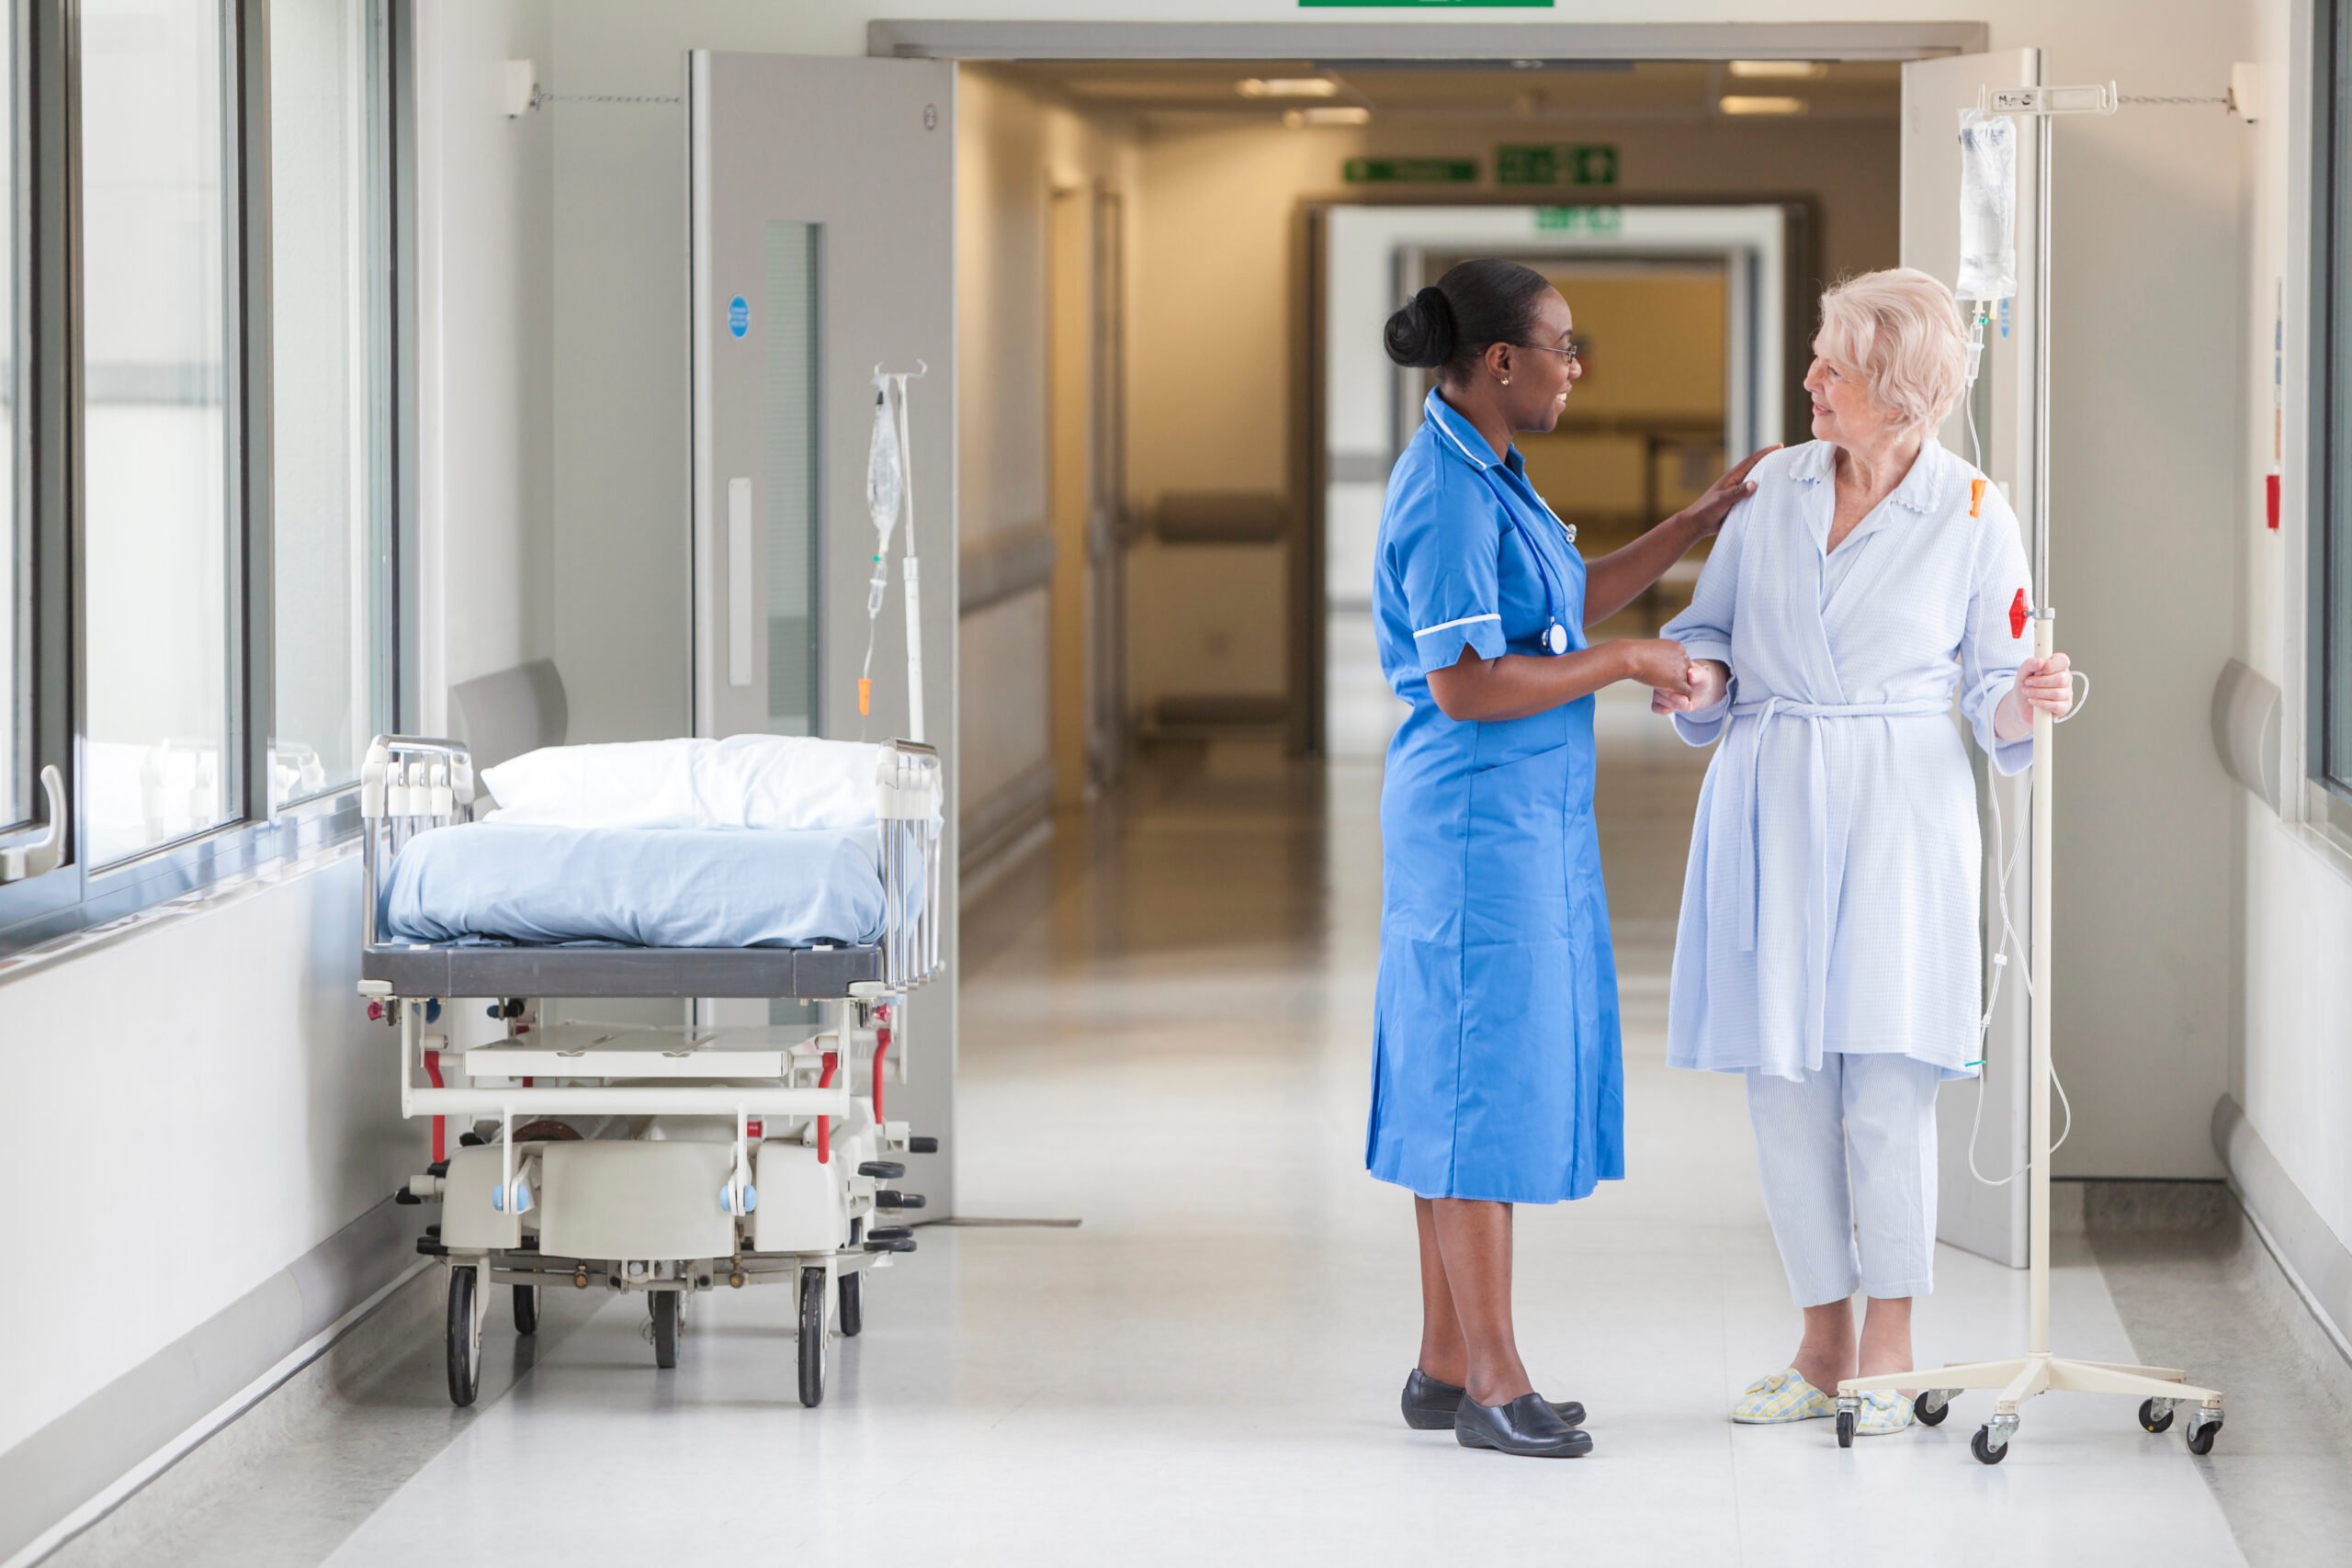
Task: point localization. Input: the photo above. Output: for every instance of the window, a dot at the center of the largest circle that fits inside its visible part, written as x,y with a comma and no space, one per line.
329,436
198,605
2330,748
16,536
157,550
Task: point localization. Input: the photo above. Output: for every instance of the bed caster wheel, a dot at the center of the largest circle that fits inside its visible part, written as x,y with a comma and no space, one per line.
2202,1431
664,1308
1985,1449
903,1243
923,1146
812,1337
465,1349
1845,1428
527,1309
1931,1406
2155,1414
852,1308
882,1170
886,1199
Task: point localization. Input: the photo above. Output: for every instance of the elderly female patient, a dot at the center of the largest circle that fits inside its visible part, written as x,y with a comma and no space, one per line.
1829,943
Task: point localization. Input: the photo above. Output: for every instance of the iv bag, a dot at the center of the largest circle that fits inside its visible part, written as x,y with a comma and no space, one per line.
884,472
1988,206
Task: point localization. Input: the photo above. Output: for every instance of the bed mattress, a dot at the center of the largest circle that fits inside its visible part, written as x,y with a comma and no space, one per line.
538,884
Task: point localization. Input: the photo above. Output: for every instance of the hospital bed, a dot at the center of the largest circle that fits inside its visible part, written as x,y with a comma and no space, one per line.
663,1160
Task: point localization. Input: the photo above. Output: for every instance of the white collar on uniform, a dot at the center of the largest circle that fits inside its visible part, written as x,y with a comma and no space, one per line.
1461,436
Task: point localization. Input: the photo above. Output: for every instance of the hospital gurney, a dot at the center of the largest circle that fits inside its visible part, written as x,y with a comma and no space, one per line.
662,1160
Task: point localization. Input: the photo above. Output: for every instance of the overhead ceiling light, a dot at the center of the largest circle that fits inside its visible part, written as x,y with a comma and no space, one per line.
1779,70
1337,114
1737,104
1288,87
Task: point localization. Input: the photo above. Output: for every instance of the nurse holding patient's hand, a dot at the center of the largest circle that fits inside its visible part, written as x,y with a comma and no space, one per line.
1495,1077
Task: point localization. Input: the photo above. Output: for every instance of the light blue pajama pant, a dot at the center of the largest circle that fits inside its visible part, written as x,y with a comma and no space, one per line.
1852,1148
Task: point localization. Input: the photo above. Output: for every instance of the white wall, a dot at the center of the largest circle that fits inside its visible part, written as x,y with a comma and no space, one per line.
199,1105
2291,1068
486,328
201,1102
1012,150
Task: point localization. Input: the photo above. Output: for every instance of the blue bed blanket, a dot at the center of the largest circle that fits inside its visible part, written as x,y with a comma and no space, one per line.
646,887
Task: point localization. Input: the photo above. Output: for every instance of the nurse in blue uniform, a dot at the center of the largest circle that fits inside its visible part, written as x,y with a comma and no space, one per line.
1495,1077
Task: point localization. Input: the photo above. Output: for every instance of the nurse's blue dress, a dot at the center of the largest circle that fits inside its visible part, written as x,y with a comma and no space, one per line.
1496,1071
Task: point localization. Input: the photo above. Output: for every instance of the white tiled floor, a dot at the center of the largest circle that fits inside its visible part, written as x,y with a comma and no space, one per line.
1165,1034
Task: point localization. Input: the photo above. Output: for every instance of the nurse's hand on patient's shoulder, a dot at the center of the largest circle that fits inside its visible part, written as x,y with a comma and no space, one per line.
1710,509
1659,663
1709,679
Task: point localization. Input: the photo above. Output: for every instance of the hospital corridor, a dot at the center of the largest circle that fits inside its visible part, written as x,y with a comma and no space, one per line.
846,782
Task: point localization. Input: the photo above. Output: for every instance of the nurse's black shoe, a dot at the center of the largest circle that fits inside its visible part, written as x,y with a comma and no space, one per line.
1430,1405
1527,1425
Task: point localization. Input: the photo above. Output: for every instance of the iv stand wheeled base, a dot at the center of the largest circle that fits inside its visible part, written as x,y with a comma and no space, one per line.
2037,1371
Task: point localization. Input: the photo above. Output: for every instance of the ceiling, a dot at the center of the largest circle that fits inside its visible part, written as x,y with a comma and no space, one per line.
1659,90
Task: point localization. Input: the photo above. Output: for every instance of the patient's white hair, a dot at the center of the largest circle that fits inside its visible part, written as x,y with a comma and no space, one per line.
1899,331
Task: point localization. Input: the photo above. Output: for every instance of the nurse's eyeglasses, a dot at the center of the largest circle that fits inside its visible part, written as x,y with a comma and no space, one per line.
1571,354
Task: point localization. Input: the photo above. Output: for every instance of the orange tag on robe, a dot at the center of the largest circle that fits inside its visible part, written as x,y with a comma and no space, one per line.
1975,496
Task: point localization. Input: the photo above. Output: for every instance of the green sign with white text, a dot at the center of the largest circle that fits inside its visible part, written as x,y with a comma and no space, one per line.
1557,163
1579,219
1410,171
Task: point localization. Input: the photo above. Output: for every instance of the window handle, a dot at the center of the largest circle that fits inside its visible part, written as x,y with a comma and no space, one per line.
46,852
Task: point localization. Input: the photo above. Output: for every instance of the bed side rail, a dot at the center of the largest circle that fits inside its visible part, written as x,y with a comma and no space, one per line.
407,785
911,801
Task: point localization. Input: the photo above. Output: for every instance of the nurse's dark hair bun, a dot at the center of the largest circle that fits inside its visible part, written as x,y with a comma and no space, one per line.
1422,335
1477,303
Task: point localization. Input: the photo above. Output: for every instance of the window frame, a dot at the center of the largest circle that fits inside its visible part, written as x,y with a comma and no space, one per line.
2328,525
78,896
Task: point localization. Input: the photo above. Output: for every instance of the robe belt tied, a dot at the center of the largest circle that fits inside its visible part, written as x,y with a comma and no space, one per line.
1764,711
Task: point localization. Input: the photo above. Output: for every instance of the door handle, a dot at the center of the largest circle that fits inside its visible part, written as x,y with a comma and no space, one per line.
739,582
21,862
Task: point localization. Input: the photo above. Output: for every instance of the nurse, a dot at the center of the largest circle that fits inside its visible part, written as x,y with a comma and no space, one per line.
1495,1074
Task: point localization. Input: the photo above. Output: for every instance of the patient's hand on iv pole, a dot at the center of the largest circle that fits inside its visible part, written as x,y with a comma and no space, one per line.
2044,684
1709,679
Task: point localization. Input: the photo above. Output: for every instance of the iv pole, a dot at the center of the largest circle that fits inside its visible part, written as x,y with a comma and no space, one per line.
2020,1378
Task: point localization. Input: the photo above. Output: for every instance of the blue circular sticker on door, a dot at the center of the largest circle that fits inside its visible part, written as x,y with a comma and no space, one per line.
738,316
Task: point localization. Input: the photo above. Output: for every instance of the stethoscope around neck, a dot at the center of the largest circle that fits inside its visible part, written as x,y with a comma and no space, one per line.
1556,631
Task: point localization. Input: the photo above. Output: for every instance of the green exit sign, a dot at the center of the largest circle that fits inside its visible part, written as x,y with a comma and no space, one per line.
1557,163
1579,219
1410,171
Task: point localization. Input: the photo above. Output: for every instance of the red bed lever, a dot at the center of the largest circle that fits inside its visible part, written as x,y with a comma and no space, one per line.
440,1124
825,1123
2017,613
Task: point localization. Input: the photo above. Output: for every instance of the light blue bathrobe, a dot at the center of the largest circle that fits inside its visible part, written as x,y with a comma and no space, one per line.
1831,902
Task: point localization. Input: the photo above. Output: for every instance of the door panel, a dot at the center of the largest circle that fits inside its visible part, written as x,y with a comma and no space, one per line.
1988,1220
822,222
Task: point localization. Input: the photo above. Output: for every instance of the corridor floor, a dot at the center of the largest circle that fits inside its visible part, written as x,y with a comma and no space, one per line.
1166,1018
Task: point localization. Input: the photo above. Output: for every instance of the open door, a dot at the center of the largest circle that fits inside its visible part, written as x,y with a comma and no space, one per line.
821,221
1988,1220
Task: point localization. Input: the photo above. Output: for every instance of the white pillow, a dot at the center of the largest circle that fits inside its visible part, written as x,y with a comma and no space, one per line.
745,780
634,784
785,781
